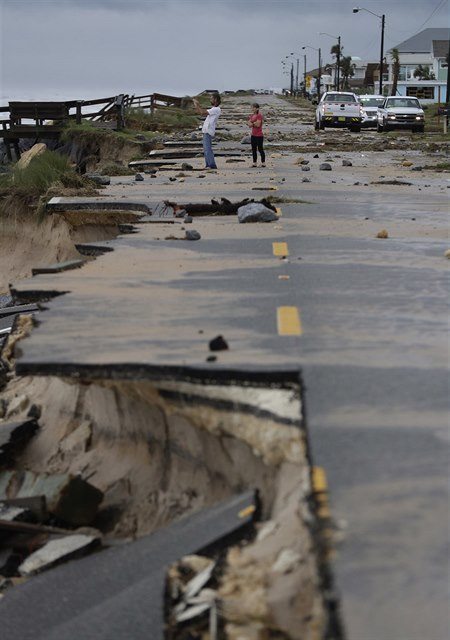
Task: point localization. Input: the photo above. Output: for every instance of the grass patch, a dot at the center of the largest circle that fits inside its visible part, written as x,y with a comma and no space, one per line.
163,118
117,170
46,175
44,171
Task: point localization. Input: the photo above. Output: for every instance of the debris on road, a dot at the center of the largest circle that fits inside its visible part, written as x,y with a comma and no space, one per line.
256,212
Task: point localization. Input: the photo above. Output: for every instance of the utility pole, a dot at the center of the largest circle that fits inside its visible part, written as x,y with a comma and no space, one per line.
381,54
338,65
447,95
304,76
320,76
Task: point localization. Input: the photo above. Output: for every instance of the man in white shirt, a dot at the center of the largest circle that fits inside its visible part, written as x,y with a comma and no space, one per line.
209,128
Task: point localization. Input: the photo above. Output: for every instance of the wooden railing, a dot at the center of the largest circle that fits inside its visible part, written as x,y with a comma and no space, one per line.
42,120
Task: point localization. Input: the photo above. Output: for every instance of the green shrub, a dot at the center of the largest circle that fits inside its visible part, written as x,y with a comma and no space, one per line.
42,172
117,170
165,117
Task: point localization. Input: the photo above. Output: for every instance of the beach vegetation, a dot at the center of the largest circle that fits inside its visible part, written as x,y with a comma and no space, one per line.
162,119
32,186
46,170
114,169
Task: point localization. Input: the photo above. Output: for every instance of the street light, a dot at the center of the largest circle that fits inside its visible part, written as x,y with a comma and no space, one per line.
337,78
319,75
304,70
296,53
296,80
382,18
283,62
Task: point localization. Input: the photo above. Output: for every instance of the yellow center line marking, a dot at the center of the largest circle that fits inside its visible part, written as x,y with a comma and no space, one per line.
288,321
280,249
247,511
319,479
278,211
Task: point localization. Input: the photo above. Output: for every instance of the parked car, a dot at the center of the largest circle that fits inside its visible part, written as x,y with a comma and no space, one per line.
399,112
339,109
370,104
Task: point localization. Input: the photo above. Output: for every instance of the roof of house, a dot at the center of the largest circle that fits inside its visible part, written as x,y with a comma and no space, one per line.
422,42
440,48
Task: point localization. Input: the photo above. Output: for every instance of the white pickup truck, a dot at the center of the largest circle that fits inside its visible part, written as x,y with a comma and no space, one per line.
399,112
339,109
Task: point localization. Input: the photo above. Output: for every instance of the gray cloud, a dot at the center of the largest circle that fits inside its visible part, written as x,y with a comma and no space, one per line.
93,48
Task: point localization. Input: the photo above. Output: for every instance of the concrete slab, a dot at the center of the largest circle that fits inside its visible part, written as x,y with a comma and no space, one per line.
58,267
97,203
24,308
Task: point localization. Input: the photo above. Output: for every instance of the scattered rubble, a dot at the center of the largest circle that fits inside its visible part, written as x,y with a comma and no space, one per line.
192,234
56,551
256,212
218,344
68,498
14,436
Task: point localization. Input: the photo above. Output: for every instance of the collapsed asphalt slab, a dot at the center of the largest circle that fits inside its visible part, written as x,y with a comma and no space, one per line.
120,590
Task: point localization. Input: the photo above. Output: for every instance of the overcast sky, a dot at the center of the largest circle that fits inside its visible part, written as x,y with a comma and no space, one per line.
66,49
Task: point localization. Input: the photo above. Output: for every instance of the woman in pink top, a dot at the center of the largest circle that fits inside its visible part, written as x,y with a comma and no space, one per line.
255,122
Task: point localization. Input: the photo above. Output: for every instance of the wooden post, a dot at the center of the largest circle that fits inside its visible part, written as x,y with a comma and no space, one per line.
78,112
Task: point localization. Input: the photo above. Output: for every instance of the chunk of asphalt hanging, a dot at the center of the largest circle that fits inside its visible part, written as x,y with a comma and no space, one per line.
218,344
93,596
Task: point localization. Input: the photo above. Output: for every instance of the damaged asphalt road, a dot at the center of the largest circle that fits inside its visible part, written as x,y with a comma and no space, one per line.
363,319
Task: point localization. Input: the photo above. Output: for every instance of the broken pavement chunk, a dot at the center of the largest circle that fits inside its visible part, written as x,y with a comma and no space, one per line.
69,498
218,344
14,436
55,551
192,234
58,267
256,212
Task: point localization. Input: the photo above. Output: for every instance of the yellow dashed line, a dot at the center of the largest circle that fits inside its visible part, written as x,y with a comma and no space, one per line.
280,249
320,489
319,479
288,321
247,511
278,211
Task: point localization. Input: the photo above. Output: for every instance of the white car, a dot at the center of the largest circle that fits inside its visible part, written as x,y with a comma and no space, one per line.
340,109
400,112
370,104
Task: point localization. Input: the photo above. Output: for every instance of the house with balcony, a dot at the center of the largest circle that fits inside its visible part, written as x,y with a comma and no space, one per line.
423,66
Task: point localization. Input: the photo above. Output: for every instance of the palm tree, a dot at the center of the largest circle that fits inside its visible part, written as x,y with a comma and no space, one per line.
423,73
348,70
336,51
395,55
